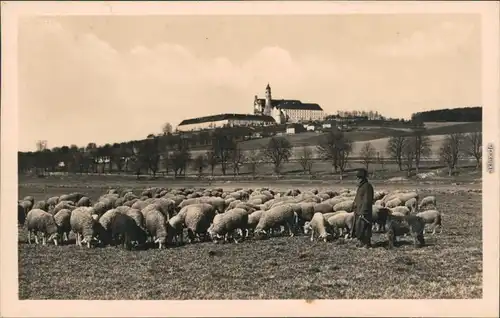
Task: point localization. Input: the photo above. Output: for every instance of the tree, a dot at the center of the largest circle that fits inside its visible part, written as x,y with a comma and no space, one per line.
278,150
408,154
222,145
449,152
237,157
422,145
395,149
212,160
253,158
180,159
306,159
166,129
150,153
336,148
472,146
199,164
367,154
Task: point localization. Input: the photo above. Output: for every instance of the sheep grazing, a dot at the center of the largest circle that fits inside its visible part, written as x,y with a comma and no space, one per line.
67,205
224,225
411,204
282,215
342,223
393,203
323,207
175,226
84,201
253,220
401,209
379,217
318,225
432,217
347,205
62,218
124,230
198,219
41,205
380,203
85,226
52,201
38,220
430,200
407,224
156,225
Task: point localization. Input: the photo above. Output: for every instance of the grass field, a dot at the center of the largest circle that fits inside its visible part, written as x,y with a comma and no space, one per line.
450,266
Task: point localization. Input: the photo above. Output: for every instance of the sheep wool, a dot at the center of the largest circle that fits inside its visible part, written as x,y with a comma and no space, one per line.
320,226
278,216
62,218
156,225
84,225
38,220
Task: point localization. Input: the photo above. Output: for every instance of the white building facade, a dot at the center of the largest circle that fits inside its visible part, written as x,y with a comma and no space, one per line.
224,120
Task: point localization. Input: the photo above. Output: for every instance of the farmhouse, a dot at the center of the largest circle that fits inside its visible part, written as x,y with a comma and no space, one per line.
287,110
224,120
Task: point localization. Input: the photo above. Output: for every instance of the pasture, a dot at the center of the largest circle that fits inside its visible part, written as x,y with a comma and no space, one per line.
449,266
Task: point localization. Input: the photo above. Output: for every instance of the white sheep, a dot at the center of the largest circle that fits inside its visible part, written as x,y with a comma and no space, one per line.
342,223
38,220
411,204
433,217
380,203
225,224
318,225
347,205
393,203
84,224
62,218
282,215
198,219
401,209
156,225
429,200
323,207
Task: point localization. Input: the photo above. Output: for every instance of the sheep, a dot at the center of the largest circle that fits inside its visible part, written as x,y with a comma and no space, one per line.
432,217
411,204
401,209
253,220
125,230
407,224
67,205
102,207
278,216
347,205
429,200
41,205
29,198
62,218
197,220
83,224
330,214
175,226
380,203
342,222
393,203
379,217
52,201
156,225
75,196
38,220
323,207
84,201
224,225
318,225
21,214
135,214
105,221
407,196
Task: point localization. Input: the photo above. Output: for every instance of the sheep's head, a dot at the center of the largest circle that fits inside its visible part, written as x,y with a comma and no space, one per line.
325,237
307,227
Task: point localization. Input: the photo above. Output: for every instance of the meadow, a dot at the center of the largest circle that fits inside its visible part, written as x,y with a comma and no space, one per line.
449,266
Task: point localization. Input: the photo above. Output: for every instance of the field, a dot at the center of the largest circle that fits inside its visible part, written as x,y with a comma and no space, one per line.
449,266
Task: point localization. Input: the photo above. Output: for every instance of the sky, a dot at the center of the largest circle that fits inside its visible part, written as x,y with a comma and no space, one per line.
107,79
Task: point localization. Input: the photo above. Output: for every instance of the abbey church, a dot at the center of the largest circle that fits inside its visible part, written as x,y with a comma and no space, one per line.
287,110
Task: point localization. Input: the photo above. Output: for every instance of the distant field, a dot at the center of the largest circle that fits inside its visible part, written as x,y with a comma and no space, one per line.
449,266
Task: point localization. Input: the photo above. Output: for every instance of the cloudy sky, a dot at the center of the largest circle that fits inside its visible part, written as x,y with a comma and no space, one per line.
112,79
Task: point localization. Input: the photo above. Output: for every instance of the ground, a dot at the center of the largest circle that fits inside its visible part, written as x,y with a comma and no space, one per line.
449,266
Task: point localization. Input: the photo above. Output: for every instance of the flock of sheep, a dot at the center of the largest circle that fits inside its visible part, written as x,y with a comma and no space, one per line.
159,216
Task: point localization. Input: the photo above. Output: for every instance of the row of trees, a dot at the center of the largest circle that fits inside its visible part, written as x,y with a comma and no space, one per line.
173,153
464,114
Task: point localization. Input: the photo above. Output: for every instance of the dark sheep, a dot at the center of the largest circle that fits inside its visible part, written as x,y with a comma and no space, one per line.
124,231
407,224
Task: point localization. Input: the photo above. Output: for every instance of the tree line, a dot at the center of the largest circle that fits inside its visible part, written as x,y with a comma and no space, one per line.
174,154
464,114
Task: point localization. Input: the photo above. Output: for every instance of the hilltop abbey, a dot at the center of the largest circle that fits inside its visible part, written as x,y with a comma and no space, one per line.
267,111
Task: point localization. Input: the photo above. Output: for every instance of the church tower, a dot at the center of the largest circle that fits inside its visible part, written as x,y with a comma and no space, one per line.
267,107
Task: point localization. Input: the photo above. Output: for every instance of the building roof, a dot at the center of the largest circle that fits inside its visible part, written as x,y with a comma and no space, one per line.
218,117
291,104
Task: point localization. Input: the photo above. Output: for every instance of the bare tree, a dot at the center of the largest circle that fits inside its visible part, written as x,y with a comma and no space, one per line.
278,150
408,154
336,148
199,164
222,146
212,160
449,152
395,149
253,158
367,154
472,146
306,159
380,159
237,157
422,146
166,128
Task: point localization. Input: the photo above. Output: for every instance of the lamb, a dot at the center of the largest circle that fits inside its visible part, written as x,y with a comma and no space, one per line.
62,218
84,225
197,220
401,209
278,216
341,223
224,225
84,201
38,220
432,217
318,225
393,203
407,224
125,230
411,204
379,217
156,225
347,205
430,200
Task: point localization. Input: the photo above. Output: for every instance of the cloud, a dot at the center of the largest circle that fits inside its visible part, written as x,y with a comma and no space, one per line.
443,38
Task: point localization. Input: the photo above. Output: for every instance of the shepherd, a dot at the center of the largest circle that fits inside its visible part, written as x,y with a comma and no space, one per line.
363,210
